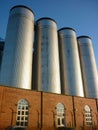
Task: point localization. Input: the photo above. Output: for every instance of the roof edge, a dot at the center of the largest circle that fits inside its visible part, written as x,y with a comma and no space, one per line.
23,6
64,28
47,18
83,36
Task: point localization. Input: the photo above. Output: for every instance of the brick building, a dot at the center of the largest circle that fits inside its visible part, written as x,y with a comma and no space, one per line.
46,111
59,65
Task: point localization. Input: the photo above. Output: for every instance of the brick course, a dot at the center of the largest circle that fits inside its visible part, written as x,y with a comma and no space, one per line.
42,109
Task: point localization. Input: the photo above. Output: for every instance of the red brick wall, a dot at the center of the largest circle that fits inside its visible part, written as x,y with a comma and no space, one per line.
42,108
49,104
79,104
9,100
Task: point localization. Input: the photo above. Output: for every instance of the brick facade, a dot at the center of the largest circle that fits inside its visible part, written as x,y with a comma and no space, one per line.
42,109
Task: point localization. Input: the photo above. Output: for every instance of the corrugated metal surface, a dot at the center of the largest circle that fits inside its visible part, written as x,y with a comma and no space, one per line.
71,79
47,77
16,66
88,65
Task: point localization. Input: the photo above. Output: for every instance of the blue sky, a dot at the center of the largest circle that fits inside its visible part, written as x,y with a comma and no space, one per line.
82,15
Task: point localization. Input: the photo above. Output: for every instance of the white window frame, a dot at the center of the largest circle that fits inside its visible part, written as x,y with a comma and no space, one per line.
88,116
22,113
60,115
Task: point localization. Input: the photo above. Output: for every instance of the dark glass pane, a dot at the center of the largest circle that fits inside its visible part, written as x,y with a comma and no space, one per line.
26,123
26,107
17,123
26,112
58,121
19,107
18,118
18,112
63,121
22,107
26,118
22,123
22,118
22,112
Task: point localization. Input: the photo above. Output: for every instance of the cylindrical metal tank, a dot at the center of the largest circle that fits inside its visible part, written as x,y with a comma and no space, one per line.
88,65
71,79
46,56
16,66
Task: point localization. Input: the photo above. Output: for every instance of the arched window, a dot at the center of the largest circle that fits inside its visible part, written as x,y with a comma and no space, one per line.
60,115
22,113
88,115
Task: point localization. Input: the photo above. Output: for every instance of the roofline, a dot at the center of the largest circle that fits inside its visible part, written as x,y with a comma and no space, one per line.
23,6
84,36
64,28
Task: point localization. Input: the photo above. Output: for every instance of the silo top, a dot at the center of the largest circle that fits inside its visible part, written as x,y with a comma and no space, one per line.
67,31
46,21
23,10
84,39
66,28
46,18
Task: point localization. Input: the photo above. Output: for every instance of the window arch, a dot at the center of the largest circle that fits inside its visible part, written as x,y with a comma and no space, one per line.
60,115
88,115
22,113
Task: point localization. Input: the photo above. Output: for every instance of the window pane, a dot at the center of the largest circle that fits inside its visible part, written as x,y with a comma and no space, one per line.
26,118
63,121
22,123
22,112
58,121
22,118
18,118
26,113
18,112
23,107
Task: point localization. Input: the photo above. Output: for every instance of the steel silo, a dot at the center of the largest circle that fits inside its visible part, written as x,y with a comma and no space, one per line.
71,79
47,73
16,66
88,65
